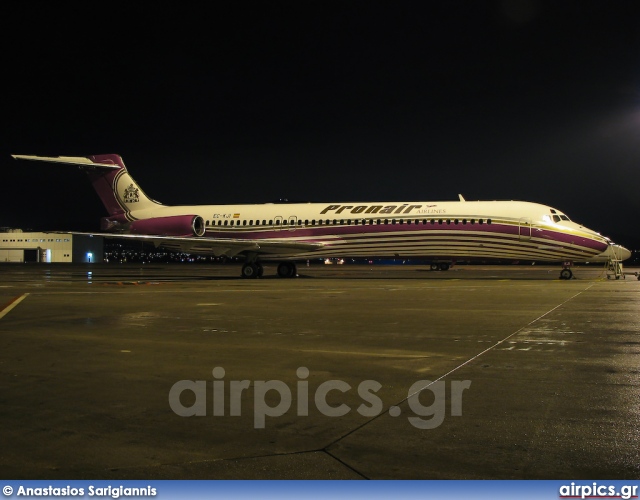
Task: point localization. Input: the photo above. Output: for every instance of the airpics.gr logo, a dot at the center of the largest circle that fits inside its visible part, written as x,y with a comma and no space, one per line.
228,395
595,490
131,194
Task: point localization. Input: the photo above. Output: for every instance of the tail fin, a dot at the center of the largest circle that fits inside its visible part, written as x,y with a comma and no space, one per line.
119,193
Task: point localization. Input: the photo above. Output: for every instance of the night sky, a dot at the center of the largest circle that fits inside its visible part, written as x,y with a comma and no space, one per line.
249,102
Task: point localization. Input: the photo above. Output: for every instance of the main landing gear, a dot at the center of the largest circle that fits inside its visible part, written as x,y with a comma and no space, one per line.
252,270
255,270
440,266
287,270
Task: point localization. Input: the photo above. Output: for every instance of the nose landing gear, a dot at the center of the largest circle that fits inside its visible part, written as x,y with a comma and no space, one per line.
566,273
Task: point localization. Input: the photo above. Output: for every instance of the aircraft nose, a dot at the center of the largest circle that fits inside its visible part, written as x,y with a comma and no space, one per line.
622,252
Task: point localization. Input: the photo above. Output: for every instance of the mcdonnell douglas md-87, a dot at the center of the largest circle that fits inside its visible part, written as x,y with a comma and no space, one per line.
289,232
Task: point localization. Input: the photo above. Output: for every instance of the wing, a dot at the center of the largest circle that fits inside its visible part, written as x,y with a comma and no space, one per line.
229,247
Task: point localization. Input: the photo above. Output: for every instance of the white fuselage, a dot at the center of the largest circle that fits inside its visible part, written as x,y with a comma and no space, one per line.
463,229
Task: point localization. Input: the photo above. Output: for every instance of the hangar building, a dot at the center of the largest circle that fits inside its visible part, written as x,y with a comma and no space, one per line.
19,246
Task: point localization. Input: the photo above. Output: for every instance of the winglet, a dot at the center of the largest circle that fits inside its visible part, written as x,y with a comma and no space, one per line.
461,197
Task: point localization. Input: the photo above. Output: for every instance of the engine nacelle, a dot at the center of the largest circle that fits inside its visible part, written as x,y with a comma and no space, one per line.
177,225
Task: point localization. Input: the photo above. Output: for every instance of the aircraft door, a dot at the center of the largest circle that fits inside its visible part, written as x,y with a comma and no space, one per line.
293,220
525,229
277,222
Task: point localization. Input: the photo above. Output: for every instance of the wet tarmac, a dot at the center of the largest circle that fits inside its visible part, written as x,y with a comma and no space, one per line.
381,372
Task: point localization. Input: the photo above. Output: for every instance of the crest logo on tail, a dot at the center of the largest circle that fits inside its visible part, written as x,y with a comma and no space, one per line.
131,194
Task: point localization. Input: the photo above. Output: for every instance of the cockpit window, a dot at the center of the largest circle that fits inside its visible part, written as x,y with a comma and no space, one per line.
557,216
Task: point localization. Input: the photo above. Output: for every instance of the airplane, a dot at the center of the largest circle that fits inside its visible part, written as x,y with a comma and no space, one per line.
288,232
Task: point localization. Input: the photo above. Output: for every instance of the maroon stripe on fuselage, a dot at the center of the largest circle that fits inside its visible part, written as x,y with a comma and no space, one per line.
571,239
475,244
341,230
333,234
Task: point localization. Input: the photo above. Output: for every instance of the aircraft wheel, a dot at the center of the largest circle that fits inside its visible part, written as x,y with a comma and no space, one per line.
260,269
250,271
444,266
435,267
566,274
287,270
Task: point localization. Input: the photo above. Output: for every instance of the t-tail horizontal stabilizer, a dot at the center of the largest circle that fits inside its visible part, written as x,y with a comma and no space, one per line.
102,161
119,193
